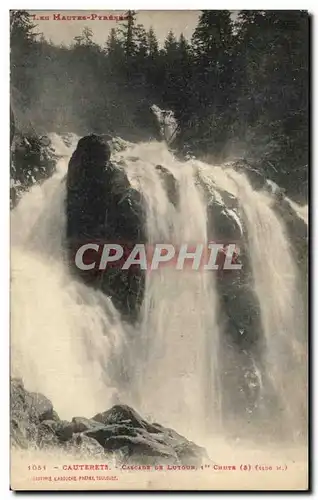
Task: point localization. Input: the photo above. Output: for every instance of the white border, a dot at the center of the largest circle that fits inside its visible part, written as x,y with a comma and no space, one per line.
4,177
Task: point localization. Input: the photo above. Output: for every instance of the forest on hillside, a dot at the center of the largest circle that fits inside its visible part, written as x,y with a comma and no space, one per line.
239,88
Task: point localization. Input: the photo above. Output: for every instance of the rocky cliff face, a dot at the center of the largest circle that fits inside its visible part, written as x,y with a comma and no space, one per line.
120,433
103,207
32,160
101,204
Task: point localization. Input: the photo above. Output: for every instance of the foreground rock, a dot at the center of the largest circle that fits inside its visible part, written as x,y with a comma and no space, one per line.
120,432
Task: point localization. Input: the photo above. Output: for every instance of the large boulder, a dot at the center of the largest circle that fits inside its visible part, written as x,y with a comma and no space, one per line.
28,411
103,207
167,122
120,433
82,446
124,430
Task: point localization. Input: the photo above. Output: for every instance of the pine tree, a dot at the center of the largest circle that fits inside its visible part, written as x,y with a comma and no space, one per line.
21,28
86,38
115,51
23,37
213,36
169,59
128,34
212,79
170,44
153,46
154,65
142,47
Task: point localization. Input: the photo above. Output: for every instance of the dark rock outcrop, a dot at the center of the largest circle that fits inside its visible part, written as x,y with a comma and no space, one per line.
33,160
297,232
12,126
145,119
102,207
239,312
242,340
256,176
120,414
170,184
120,432
28,412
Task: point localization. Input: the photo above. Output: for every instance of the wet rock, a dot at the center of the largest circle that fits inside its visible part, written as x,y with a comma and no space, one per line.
189,453
31,404
51,425
127,431
18,435
147,121
103,207
83,446
239,312
103,433
46,434
119,414
120,432
81,424
64,430
100,201
297,231
170,184
41,408
123,414
136,447
255,175
224,223
12,126
167,123
28,411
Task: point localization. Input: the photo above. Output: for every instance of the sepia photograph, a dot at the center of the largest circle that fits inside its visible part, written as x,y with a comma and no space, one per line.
159,164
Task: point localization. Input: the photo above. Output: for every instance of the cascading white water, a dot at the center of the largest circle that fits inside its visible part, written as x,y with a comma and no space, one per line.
282,315
179,316
69,342
276,283
301,211
63,336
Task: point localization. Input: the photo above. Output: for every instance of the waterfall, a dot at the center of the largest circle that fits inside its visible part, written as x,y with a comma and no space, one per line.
70,343
63,335
276,284
178,337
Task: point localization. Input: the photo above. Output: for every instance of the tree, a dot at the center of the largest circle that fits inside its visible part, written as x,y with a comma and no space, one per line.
115,52
86,38
212,79
22,57
128,34
212,37
21,28
153,46
113,44
170,44
142,47
272,103
235,82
